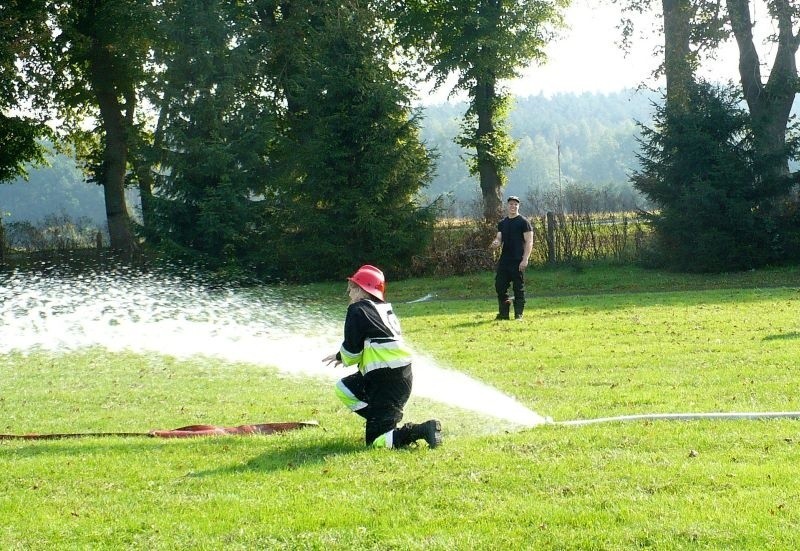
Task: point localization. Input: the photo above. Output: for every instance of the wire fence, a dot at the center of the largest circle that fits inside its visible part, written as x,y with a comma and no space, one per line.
461,246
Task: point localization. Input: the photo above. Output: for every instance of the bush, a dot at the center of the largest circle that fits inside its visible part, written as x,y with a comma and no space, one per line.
457,247
54,232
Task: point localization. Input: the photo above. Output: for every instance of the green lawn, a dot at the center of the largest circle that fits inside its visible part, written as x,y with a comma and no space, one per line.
595,342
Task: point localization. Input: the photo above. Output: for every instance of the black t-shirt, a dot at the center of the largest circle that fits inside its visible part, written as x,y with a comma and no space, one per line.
513,230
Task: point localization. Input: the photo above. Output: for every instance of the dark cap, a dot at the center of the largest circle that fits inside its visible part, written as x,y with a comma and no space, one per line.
513,198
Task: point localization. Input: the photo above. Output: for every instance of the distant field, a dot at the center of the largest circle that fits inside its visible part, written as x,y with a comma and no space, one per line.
595,342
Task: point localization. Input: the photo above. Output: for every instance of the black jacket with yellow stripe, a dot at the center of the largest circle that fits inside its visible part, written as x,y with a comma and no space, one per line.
372,337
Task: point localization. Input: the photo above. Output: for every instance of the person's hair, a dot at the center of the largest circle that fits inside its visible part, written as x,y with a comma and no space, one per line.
362,293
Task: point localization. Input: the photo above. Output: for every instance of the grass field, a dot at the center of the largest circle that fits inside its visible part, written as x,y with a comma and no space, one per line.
595,342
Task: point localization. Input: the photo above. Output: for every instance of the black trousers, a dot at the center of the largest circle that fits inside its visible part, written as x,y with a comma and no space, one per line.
508,273
385,391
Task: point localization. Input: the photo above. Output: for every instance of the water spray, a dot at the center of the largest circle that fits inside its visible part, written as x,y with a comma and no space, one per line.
180,317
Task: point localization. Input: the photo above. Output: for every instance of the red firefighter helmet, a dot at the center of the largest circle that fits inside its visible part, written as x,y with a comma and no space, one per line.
371,280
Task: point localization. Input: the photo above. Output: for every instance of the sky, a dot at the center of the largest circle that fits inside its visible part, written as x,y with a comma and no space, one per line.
588,58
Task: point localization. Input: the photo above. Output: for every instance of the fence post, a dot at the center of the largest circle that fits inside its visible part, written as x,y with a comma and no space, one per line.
551,237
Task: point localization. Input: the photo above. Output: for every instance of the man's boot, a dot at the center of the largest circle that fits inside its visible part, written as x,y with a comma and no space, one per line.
519,306
504,308
430,431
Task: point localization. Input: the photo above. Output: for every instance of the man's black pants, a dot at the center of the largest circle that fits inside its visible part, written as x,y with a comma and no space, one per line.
509,274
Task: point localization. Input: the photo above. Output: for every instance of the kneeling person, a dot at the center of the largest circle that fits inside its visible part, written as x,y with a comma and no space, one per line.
380,388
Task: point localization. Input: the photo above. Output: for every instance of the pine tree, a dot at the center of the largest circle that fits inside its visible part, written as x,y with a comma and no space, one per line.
352,162
715,212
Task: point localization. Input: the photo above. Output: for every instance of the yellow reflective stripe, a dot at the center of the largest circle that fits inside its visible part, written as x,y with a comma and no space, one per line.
377,355
350,358
385,440
347,397
382,355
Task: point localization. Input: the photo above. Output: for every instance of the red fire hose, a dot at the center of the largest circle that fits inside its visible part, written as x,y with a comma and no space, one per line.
182,432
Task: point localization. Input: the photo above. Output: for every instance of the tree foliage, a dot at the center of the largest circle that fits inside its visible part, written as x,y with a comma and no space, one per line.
22,24
19,136
481,43
715,210
214,128
353,155
292,158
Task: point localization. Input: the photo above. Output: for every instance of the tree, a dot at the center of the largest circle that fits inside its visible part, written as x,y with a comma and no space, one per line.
22,24
699,166
482,43
756,143
350,161
93,68
769,102
215,126
694,27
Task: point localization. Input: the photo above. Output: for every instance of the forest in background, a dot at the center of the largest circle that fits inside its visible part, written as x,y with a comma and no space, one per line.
255,132
597,134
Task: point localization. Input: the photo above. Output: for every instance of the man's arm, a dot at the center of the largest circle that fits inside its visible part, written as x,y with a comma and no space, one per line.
497,240
526,253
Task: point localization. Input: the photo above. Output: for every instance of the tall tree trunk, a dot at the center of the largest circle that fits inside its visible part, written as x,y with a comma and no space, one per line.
678,65
139,158
115,153
144,175
770,104
148,156
2,241
490,180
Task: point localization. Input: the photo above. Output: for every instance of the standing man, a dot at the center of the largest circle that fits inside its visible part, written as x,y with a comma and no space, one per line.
515,234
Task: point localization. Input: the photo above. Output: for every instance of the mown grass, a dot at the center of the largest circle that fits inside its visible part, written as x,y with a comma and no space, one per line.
595,342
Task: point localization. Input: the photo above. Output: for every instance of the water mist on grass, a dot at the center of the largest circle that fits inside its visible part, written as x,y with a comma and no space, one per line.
184,317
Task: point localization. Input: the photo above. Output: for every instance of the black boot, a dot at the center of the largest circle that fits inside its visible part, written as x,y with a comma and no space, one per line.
504,309
430,431
519,307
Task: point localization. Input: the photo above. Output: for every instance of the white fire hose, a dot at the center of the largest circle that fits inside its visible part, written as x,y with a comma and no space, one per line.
683,417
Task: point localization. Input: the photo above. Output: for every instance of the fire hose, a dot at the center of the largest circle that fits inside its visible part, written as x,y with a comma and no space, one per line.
683,417
273,428
181,432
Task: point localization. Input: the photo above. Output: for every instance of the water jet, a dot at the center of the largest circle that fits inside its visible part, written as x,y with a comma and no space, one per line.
147,311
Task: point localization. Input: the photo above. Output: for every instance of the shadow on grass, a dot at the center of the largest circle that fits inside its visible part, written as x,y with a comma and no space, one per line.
279,459
782,336
288,458
74,446
480,322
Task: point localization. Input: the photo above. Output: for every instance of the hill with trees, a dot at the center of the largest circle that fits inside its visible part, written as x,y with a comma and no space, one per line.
590,138
57,188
